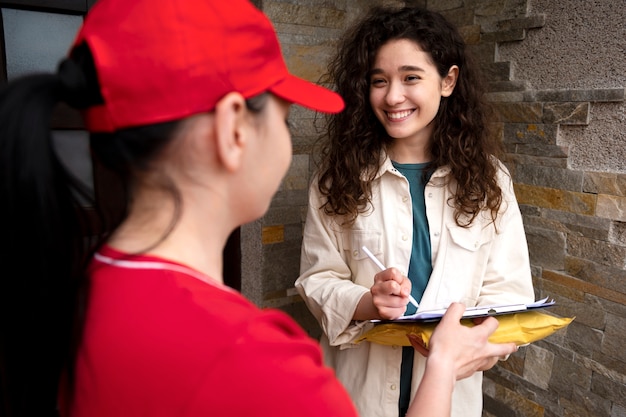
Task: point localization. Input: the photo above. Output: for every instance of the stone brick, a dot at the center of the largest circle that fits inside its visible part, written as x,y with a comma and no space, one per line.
281,215
497,71
515,363
507,85
611,207
507,402
505,35
564,179
606,282
582,339
613,342
566,374
607,362
297,177
546,247
538,366
441,5
614,308
548,151
585,404
605,183
290,198
594,95
601,372
530,133
418,3
555,199
301,14
617,233
483,53
581,225
539,221
520,112
503,96
565,296
494,407
618,411
529,210
588,302
459,17
576,114
527,22
541,159
308,127
273,234
601,252
585,313
490,8
307,61
470,34
609,389
281,273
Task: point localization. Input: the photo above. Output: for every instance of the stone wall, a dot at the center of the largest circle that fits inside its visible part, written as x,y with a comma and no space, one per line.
557,73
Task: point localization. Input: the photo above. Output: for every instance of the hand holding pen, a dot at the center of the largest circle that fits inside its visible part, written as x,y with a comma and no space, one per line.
388,285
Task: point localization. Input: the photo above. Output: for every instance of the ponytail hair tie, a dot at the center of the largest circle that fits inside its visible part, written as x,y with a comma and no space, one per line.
78,81
73,85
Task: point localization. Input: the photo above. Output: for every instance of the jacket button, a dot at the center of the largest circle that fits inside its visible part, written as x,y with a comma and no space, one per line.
355,253
393,387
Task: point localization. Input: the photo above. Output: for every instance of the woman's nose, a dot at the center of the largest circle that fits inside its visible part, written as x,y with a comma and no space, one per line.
395,94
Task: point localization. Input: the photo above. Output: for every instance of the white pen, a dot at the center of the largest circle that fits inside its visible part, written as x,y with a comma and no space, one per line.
382,268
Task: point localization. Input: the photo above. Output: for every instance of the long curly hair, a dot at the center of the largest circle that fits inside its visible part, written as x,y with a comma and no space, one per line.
354,141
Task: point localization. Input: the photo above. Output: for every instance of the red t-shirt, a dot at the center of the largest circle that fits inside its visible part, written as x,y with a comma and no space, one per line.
160,342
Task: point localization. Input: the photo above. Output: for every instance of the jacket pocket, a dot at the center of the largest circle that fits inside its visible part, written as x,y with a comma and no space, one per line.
471,238
354,240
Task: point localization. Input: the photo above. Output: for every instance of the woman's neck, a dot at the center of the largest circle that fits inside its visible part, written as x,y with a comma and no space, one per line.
187,235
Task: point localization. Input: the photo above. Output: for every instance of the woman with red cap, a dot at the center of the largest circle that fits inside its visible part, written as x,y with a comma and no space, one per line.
187,102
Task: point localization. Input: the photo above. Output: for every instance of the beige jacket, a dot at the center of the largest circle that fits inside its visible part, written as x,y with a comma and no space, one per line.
475,266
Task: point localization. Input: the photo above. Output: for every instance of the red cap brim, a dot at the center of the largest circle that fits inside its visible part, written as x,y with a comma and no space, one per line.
307,94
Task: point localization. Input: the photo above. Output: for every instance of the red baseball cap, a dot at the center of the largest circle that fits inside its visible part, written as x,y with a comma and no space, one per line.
162,60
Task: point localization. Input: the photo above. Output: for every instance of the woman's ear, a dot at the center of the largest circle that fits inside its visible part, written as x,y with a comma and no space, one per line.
230,130
449,81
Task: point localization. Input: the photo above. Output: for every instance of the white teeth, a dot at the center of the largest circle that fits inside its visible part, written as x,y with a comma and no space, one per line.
399,115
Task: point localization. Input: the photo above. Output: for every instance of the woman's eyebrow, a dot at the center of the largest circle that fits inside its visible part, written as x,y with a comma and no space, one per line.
403,68
411,68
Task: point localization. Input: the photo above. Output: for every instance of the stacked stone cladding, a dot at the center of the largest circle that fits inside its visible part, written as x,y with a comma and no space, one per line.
569,172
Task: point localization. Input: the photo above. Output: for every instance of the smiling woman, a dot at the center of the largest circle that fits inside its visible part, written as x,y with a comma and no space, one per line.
409,171
405,94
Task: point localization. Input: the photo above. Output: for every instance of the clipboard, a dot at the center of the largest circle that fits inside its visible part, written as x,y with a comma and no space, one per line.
431,316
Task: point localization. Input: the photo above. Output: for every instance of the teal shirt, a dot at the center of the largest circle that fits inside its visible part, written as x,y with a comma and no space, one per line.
420,265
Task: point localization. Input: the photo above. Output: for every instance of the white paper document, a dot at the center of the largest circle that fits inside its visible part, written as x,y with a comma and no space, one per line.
472,312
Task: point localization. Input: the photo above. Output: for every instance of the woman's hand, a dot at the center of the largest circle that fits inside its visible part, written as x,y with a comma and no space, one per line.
454,352
390,293
467,348
387,299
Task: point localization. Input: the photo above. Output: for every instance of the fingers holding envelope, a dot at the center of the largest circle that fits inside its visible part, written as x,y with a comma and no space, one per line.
467,347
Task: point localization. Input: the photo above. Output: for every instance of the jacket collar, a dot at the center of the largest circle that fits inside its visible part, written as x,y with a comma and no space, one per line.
387,166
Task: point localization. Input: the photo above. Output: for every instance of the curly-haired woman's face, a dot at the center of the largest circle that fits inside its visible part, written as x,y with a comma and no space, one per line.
405,93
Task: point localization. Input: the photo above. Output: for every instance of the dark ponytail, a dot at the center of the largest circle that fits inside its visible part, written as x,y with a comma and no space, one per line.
43,248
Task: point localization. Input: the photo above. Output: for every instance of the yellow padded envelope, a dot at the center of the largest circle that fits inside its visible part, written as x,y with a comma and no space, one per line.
521,328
